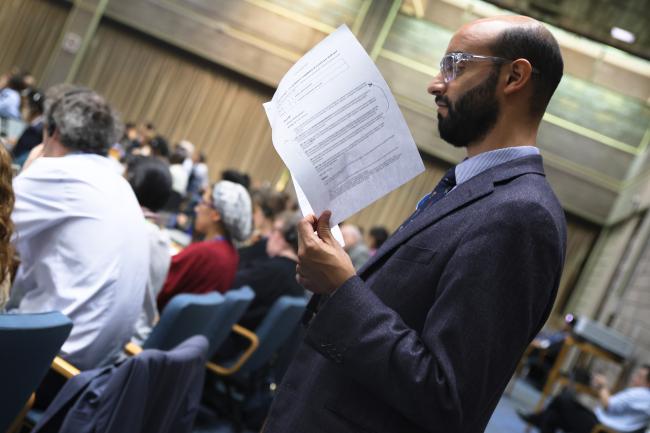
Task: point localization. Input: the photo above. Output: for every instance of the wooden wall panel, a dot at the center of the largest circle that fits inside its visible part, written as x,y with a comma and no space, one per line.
267,36
29,30
185,97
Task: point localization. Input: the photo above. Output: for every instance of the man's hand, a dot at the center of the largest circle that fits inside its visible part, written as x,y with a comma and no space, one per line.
599,381
323,266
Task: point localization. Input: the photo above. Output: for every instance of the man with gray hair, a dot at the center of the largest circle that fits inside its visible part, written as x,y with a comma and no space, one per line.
80,232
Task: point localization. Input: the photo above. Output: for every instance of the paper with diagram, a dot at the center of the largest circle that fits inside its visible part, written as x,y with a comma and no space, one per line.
339,130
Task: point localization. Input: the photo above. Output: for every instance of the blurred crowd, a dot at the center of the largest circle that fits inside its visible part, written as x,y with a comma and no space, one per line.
98,203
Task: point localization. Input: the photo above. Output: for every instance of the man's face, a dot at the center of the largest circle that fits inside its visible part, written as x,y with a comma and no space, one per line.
640,378
276,242
472,114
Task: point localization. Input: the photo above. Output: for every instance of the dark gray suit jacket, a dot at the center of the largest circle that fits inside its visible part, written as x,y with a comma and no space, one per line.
428,334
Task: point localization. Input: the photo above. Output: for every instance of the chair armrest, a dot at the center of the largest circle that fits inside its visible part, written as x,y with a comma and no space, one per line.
132,349
254,343
17,424
64,368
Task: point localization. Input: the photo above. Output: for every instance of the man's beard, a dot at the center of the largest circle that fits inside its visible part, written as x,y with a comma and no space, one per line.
472,116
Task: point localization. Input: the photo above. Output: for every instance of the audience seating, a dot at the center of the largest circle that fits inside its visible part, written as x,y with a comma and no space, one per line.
212,315
186,315
235,305
238,385
29,342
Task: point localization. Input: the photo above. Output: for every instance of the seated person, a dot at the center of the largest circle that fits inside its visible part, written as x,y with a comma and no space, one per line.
152,183
32,136
267,204
625,411
80,234
223,216
354,245
10,96
275,276
376,238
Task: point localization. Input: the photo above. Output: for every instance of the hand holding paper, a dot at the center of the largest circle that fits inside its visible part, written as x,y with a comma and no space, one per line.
324,265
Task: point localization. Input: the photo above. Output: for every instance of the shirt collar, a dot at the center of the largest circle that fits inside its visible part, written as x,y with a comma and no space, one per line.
478,164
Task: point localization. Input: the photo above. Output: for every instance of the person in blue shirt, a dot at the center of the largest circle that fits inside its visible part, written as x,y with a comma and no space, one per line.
10,97
625,411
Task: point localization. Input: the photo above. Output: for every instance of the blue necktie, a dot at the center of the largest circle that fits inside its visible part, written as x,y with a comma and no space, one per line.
446,184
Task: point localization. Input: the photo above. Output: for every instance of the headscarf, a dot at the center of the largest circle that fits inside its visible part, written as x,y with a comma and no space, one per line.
234,204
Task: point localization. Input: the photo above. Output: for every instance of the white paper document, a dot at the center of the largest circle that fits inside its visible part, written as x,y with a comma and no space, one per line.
339,130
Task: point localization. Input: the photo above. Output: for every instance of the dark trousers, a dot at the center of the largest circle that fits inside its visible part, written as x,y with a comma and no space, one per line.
565,413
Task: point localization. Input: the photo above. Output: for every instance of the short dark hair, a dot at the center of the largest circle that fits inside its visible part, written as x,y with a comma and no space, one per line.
17,82
379,234
151,181
270,201
178,156
237,176
159,146
35,99
537,45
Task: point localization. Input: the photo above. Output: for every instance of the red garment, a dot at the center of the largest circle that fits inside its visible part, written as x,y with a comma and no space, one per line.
200,268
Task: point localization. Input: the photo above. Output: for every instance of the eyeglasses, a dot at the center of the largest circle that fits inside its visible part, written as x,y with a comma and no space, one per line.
206,203
451,65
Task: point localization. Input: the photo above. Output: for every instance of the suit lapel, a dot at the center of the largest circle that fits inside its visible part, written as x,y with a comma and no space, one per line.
468,192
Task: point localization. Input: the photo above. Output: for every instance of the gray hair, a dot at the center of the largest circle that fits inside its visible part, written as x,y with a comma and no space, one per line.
85,121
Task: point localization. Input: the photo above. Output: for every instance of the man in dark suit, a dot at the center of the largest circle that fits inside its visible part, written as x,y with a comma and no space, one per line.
426,336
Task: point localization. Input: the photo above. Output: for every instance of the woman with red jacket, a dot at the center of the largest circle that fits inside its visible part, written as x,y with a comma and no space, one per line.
223,216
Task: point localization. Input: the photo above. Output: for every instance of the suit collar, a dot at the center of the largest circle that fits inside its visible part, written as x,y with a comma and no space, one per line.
472,190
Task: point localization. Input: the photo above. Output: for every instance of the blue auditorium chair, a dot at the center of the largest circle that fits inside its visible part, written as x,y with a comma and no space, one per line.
212,315
29,343
242,382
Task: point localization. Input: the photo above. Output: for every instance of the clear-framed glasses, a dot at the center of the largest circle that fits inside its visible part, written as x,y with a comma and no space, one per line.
452,64
206,203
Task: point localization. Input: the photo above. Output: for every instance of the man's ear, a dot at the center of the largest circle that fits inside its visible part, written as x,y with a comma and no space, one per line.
519,74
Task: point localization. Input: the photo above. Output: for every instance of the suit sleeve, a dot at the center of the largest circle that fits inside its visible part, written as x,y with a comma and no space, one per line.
493,294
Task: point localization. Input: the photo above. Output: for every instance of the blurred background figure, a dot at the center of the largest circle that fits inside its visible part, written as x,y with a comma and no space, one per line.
274,276
627,411
10,95
376,238
267,205
238,177
152,184
354,245
32,112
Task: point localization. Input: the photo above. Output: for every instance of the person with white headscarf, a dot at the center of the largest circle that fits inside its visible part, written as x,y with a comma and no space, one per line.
224,216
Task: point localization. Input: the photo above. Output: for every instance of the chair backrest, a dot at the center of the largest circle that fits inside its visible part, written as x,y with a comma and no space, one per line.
186,315
276,327
235,305
29,343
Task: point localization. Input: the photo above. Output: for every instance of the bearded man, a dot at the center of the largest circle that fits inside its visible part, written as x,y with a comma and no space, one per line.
426,336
